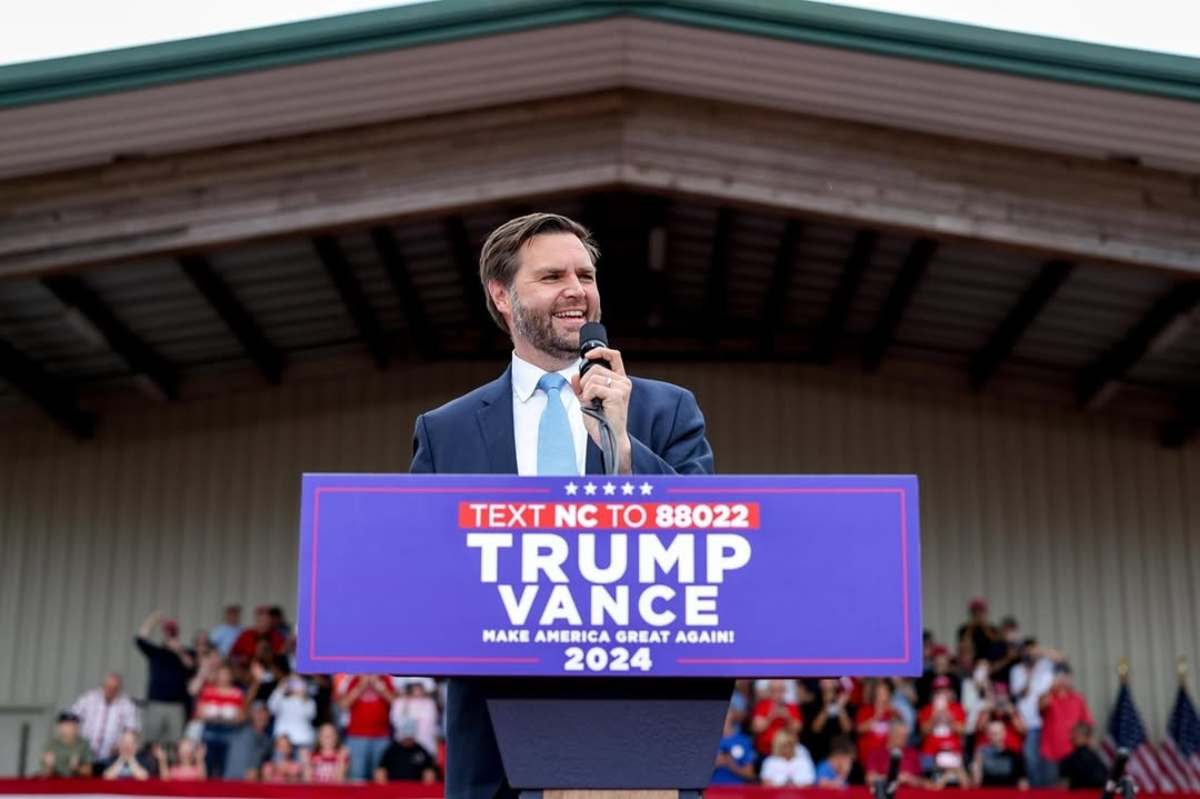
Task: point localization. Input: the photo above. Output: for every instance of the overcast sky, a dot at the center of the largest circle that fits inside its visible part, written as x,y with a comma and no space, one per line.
31,31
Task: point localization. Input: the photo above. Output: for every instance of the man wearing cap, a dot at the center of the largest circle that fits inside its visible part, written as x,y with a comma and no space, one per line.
978,629
66,753
405,759
168,666
942,722
1062,708
940,666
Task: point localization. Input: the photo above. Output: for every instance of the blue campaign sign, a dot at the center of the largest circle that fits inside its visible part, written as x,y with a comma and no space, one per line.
733,576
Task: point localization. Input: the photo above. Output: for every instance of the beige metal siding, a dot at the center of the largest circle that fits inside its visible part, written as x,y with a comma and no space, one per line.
1082,527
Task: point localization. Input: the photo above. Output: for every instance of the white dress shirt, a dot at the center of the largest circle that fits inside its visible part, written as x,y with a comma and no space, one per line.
528,403
1027,685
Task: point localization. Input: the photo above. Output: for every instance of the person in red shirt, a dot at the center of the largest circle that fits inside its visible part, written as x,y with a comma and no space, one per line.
773,714
872,721
879,761
368,698
220,706
246,645
942,721
1062,708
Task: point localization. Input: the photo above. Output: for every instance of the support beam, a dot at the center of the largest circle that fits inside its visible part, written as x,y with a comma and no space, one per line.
775,301
129,347
1004,339
52,395
653,286
1098,381
304,185
716,295
419,327
329,250
239,321
466,263
903,288
827,336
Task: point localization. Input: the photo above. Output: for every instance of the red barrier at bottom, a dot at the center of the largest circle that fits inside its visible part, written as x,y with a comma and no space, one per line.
414,790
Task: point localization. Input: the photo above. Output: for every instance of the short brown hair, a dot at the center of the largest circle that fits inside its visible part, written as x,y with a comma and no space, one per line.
499,258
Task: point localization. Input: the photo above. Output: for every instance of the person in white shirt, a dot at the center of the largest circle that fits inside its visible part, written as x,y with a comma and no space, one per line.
104,714
294,711
416,704
789,763
1029,679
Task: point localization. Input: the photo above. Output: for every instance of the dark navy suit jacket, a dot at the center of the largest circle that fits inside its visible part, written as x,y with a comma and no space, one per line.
474,435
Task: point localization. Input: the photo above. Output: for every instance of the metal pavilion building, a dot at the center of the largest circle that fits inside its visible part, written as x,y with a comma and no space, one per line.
869,243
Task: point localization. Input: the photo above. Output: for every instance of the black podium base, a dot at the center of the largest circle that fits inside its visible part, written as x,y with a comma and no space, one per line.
602,733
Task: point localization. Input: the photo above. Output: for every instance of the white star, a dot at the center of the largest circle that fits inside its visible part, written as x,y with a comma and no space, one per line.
572,489
609,489
590,489
627,489
646,489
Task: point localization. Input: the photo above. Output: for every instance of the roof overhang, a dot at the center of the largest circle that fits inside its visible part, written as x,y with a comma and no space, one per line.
449,56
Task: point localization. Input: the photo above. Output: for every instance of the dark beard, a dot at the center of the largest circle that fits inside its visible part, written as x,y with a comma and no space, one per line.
538,330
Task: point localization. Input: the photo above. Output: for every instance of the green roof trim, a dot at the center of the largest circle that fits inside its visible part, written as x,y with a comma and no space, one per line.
450,20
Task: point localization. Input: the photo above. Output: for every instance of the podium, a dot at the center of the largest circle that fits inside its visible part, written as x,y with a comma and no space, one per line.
607,734
604,619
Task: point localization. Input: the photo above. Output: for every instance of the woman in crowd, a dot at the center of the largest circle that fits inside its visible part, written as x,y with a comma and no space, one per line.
873,720
830,714
220,707
127,764
328,764
789,763
294,711
284,765
189,764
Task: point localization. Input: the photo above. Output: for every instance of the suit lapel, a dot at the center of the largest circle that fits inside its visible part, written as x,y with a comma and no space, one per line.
495,417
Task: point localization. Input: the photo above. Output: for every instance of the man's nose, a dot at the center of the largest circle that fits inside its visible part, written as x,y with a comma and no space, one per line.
573,287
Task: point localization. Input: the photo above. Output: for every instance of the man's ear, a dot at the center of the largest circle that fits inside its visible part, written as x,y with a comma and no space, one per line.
500,296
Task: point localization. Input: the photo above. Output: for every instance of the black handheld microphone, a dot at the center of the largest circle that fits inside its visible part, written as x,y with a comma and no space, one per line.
591,336
1117,774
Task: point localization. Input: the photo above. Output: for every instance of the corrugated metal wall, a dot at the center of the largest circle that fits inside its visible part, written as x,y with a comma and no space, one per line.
1082,527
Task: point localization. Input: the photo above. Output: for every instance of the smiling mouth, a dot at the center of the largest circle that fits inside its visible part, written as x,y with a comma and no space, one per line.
569,315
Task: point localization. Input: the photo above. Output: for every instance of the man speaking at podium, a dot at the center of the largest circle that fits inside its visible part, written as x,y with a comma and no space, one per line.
539,279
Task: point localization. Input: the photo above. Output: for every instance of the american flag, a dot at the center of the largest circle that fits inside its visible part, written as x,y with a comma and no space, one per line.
1181,749
1126,731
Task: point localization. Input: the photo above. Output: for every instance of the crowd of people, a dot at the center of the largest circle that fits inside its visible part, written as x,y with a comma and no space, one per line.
998,711
229,706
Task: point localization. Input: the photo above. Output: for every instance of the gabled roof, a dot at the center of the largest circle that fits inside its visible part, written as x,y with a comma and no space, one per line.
453,20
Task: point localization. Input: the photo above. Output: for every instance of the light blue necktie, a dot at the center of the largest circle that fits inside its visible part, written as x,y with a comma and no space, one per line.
556,443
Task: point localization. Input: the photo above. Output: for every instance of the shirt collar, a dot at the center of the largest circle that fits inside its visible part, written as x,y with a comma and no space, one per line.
525,376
